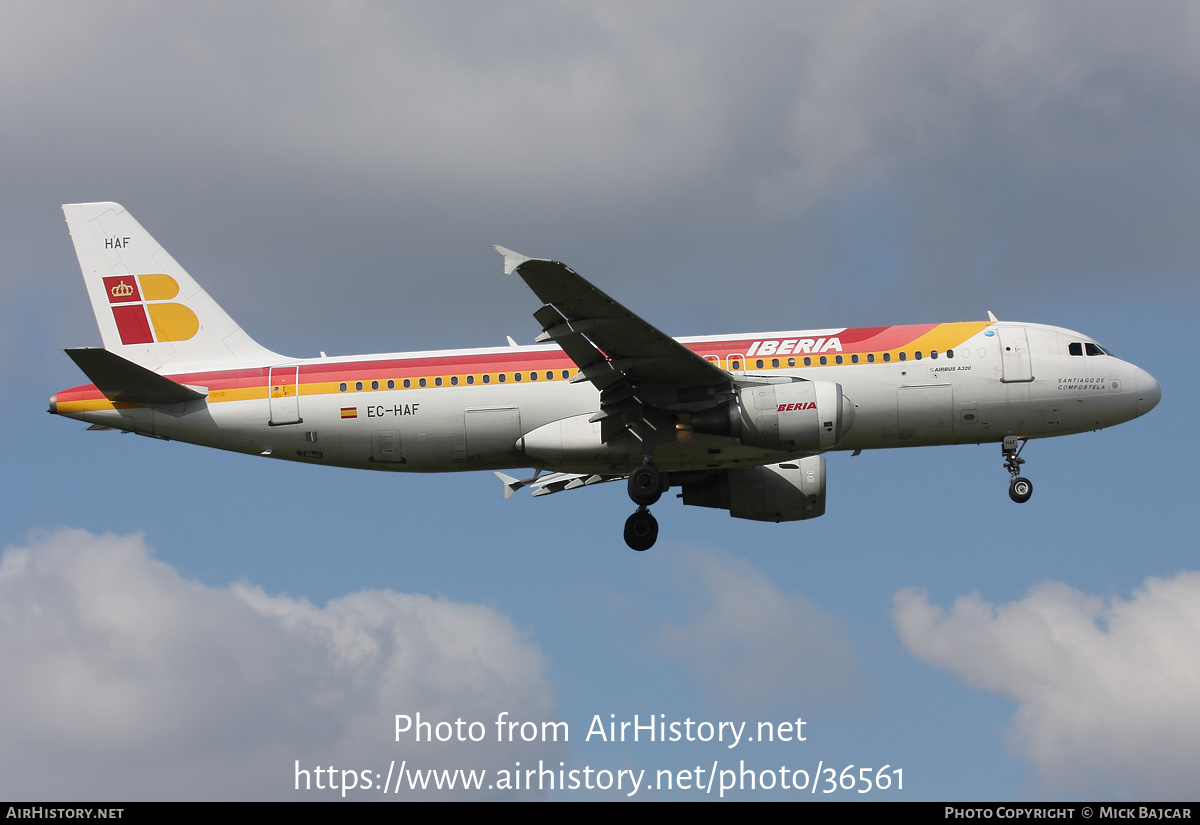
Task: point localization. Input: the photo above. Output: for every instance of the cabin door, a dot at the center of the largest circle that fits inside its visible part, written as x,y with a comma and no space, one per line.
284,393
1014,355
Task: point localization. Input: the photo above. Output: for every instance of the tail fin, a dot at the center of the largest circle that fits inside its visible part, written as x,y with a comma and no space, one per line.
149,309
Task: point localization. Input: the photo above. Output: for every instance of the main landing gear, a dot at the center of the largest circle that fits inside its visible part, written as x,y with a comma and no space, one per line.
641,530
645,488
1019,489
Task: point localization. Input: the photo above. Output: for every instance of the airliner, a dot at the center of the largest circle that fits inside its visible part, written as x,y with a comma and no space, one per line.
735,422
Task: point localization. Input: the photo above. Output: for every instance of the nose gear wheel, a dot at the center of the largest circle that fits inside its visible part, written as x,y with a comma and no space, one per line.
1019,489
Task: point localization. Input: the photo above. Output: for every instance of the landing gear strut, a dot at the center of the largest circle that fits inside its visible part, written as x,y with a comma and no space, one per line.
645,488
1019,489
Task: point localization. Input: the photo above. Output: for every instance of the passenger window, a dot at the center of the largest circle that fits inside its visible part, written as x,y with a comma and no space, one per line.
454,380
870,358
502,378
517,377
824,360
374,385
807,361
487,379
887,356
758,364
407,383
342,386
470,379
933,355
437,382
421,382
391,384
949,353
791,362
566,373
838,359
533,376
549,375
903,356
774,362
358,385
917,355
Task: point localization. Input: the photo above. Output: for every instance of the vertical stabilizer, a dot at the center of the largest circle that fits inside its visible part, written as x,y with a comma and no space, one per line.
149,309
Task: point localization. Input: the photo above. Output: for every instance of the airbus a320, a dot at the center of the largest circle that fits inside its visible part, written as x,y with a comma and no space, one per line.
736,422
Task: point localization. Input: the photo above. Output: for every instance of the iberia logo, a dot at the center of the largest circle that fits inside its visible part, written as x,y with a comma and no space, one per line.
142,312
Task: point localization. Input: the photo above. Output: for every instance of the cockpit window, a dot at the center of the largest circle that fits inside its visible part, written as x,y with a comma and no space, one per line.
1075,348
1094,349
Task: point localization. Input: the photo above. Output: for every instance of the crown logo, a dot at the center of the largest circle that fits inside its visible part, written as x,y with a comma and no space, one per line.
122,290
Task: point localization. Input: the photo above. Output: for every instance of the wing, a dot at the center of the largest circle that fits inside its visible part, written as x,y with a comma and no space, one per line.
642,373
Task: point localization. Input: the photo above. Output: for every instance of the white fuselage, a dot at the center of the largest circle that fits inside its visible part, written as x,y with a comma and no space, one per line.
987,390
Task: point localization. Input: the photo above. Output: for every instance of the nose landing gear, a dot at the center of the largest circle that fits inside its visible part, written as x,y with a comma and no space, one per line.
1019,489
645,488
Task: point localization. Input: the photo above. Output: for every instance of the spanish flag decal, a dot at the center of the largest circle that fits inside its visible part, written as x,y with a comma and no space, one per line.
349,412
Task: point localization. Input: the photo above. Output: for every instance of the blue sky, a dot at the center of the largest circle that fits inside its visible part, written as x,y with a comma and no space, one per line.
185,623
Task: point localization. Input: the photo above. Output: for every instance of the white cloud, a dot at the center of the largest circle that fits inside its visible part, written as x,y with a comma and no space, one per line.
122,680
1108,692
752,643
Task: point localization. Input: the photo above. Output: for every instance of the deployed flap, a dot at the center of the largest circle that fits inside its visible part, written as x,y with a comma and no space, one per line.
544,485
122,380
626,343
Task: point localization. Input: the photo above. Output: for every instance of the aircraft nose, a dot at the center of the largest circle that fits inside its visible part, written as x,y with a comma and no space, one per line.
1149,393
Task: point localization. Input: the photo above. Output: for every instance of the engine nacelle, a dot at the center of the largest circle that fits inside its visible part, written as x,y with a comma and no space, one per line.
801,416
791,491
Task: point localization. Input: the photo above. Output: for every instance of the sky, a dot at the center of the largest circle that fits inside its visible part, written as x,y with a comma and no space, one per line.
179,623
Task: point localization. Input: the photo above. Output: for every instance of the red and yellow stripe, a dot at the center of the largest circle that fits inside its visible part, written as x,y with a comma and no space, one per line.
327,378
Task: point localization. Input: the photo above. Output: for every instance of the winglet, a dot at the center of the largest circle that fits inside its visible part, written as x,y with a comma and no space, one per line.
511,485
992,317
511,259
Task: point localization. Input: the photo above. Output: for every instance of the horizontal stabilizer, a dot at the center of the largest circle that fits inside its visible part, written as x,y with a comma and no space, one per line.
122,380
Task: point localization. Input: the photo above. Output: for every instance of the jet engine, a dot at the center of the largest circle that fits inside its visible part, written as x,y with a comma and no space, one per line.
796,417
791,491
